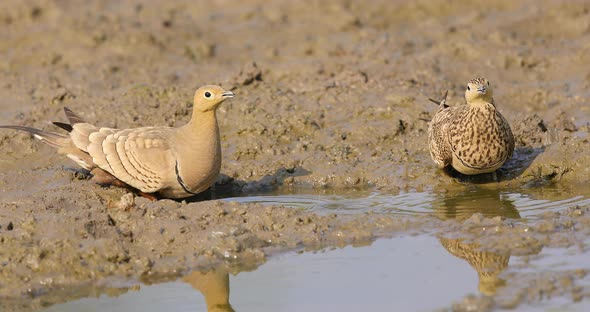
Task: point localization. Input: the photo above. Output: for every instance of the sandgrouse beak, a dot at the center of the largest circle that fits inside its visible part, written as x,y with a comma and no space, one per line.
227,94
481,90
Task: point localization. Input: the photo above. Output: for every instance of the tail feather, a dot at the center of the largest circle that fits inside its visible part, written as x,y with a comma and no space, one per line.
443,102
53,139
64,126
72,117
63,142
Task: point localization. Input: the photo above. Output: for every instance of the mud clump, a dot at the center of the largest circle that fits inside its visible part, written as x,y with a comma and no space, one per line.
249,73
531,132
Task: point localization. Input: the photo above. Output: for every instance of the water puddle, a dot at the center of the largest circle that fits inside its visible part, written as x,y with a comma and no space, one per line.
403,273
413,273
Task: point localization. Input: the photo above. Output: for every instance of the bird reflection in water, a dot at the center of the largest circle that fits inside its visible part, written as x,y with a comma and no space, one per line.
463,205
488,265
214,285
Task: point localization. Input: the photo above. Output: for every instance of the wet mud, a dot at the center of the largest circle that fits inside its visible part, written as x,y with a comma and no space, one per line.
330,96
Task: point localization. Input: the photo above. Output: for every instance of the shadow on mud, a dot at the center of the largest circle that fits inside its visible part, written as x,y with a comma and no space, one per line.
229,187
225,186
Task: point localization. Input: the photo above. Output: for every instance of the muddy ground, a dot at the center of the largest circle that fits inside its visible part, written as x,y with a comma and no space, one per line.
330,95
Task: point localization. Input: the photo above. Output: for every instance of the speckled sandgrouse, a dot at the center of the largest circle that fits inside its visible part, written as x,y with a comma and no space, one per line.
473,138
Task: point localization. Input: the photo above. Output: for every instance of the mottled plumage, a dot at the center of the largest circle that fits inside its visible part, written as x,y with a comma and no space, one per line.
169,162
488,265
473,138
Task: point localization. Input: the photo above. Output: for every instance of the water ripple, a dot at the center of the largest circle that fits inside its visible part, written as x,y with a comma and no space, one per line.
458,205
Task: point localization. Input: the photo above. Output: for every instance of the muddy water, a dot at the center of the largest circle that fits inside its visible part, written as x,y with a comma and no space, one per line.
423,272
350,279
371,278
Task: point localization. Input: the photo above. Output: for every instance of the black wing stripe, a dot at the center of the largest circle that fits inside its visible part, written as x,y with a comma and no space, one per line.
181,182
64,126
